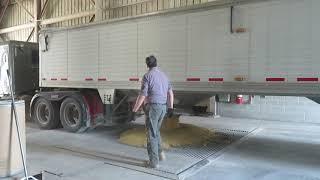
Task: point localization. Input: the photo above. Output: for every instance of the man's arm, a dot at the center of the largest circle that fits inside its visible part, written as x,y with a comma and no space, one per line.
138,103
143,94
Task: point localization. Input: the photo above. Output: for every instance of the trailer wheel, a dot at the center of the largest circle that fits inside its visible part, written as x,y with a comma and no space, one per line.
72,115
46,114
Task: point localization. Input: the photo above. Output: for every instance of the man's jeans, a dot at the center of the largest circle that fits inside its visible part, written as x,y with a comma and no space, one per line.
154,117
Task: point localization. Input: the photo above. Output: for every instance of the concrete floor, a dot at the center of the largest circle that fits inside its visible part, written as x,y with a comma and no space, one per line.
278,150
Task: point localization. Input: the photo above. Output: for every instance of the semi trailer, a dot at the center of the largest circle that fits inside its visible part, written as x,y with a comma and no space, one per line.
90,75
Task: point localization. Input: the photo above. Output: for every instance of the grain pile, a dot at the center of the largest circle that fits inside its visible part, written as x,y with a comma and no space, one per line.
173,133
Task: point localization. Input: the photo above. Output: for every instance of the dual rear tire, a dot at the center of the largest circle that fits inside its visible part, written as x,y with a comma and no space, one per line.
46,114
71,114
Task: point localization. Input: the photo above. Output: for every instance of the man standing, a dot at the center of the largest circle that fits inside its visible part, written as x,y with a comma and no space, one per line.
155,91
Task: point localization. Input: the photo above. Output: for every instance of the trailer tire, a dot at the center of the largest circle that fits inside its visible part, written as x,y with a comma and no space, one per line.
72,115
46,114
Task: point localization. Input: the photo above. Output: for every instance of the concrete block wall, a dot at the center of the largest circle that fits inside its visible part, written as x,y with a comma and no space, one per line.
274,108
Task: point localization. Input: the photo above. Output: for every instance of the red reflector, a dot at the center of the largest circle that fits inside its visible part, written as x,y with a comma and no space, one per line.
307,79
133,79
193,79
54,79
275,79
64,79
102,79
89,79
215,79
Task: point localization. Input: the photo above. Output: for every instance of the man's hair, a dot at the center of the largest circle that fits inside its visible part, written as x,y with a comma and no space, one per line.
151,61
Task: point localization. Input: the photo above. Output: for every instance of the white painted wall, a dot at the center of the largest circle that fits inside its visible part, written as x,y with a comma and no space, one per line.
274,108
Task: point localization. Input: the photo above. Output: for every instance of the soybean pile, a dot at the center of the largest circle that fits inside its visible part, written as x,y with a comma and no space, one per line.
173,134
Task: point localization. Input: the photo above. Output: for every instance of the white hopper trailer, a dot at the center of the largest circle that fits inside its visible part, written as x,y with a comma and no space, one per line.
89,75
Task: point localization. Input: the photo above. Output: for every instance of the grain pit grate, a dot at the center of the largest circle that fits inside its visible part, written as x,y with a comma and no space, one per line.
223,138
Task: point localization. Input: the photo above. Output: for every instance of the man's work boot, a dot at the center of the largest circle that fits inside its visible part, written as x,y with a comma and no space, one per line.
162,156
149,165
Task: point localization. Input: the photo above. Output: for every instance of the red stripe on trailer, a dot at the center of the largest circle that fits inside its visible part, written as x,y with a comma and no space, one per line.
64,79
133,79
193,79
300,79
275,79
102,79
54,79
215,79
89,79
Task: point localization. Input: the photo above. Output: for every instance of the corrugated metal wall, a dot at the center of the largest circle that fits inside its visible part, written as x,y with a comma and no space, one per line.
16,15
59,8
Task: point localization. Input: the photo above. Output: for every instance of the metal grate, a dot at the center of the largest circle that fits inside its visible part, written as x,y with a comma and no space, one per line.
223,138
